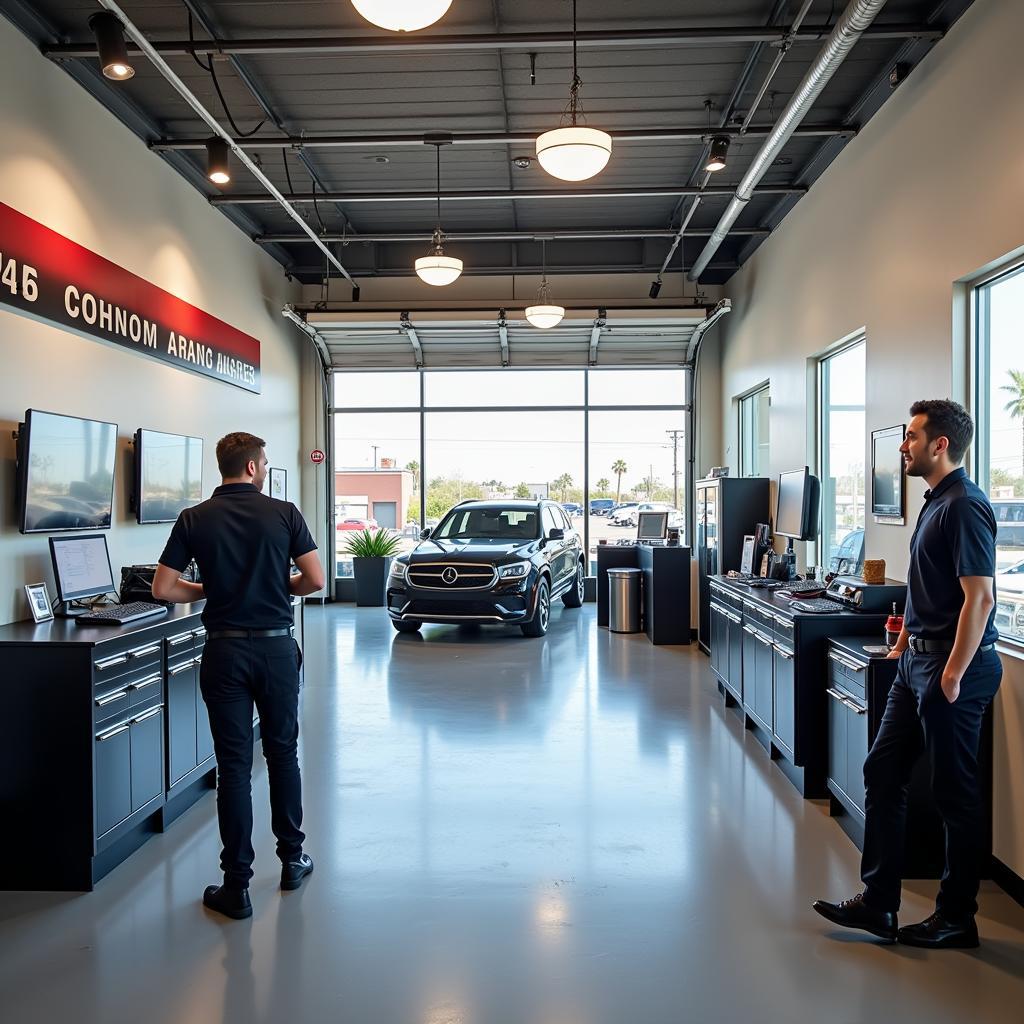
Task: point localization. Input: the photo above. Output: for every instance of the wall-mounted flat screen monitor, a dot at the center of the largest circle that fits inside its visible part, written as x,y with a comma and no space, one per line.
887,472
652,525
65,473
81,566
798,505
168,475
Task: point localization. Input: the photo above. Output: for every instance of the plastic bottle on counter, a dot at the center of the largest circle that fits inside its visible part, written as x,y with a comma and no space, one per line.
893,628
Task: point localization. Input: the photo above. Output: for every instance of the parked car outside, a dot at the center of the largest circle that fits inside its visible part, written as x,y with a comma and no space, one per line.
572,508
601,506
1010,613
621,512
848,556
489,562
354,523
1011,579
632,517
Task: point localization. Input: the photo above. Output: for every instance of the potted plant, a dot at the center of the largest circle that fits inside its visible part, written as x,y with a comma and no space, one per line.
372,551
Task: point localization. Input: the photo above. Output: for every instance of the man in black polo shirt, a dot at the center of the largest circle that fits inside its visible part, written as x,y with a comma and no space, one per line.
243,543
948,674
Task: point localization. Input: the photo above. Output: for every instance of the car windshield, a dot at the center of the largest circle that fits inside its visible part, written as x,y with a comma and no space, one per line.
503,524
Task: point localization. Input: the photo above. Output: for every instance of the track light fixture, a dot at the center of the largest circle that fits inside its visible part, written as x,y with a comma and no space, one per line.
217,169
402,15
113,51
655,288
717,158
574,152
437,268
543,313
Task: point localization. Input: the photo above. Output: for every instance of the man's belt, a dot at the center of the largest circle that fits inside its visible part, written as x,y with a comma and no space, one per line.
246,634
921,646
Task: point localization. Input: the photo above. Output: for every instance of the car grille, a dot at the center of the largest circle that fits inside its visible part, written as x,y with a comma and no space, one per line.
452,576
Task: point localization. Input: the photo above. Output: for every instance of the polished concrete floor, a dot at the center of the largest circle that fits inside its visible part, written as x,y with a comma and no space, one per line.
506,831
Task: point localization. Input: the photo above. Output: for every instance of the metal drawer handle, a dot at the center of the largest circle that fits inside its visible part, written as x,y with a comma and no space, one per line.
782,620
109,698
141,652
851,665
782,652
143,683
734,618
761,638
120,659
854,706
836,695
181,638
148,714
197,633
183,667
102,737
750,630
197,661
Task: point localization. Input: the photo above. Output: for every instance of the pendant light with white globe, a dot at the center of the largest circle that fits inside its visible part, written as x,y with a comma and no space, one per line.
437,268
543,314
402,15
574,152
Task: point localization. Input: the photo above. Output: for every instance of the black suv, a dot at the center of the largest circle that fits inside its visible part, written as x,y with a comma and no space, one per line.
489,561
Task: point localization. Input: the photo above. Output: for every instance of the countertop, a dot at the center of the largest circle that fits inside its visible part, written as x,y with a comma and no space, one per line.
66,633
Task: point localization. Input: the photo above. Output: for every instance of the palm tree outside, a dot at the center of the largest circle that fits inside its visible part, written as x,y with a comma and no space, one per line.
562,484
618,468
1015,407
602,484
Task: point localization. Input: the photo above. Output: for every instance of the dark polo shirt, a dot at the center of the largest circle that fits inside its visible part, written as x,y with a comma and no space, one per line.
955,536
243,543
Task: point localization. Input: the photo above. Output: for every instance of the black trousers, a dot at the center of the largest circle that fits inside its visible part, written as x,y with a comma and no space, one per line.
919,719
236,674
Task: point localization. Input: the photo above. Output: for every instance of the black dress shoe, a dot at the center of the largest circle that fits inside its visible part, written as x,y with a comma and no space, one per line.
937,933
294,871
856,913
229,902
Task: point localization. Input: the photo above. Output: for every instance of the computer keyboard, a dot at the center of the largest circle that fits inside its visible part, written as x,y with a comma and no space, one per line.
802,587
817,604
119,614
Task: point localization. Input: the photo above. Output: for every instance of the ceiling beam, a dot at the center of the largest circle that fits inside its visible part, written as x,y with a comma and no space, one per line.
583,235
470,41
315,271
692,133
498,195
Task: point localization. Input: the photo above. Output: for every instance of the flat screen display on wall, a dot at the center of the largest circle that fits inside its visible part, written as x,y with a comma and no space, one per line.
65,473
168,475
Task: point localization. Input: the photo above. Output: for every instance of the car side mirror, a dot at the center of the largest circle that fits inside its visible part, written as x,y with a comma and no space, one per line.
556,533
425,533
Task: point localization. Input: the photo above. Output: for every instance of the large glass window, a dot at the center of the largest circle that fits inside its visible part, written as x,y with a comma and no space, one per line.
754,432
999,412
508,434
843,441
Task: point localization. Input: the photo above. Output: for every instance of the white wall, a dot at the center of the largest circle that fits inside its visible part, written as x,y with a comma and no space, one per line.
928,194
69,164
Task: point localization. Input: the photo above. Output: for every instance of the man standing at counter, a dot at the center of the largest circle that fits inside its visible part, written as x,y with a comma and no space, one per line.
948,674
243,543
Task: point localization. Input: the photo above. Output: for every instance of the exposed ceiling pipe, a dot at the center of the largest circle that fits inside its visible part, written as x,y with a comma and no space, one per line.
441,42
500,236
855,19
493,195
314,273
692,133
214,125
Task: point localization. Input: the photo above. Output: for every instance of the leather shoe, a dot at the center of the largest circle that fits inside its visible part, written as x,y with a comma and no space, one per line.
937,933
229,902
855,913
294,871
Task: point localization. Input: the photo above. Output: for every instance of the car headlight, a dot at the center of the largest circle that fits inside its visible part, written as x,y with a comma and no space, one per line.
515,571
398,570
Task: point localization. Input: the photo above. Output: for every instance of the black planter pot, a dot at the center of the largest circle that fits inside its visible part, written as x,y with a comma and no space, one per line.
371,576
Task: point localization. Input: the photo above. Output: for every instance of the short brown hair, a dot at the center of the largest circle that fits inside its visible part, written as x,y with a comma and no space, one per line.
235,451
947,419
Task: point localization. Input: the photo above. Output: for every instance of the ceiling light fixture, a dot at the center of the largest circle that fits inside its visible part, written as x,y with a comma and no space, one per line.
437,268
110,44
402,15
574,152
717,158
543,313
217,168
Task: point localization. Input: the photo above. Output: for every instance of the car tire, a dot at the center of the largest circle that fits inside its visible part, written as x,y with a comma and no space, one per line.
406,625
538,625
573,597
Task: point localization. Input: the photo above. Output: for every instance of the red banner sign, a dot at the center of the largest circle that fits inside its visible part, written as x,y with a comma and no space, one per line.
49,276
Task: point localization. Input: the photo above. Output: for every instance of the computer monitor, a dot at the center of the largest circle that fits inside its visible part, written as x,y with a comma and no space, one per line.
652,525
168,475
797,506
81,566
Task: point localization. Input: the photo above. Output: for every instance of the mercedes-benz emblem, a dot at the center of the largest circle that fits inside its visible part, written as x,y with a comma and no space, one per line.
449,576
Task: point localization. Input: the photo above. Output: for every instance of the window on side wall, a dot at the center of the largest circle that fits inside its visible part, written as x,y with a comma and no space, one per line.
754,432
998,409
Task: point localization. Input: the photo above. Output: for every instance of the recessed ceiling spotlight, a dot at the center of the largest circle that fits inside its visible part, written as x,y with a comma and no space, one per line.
110,44
522,162
217,169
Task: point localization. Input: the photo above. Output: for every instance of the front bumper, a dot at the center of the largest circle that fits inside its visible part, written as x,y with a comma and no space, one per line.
510,601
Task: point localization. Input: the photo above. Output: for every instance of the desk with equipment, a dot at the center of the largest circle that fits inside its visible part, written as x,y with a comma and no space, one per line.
666,583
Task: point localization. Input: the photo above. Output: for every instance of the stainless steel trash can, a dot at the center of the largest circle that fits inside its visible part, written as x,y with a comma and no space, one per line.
624,600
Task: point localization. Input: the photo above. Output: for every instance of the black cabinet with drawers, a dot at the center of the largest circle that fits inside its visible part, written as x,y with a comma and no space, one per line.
769,661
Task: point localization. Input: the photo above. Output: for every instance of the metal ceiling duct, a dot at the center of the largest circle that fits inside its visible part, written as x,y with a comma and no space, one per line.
855,19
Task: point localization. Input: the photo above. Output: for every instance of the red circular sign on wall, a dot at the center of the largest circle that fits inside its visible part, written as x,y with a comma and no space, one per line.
316,456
